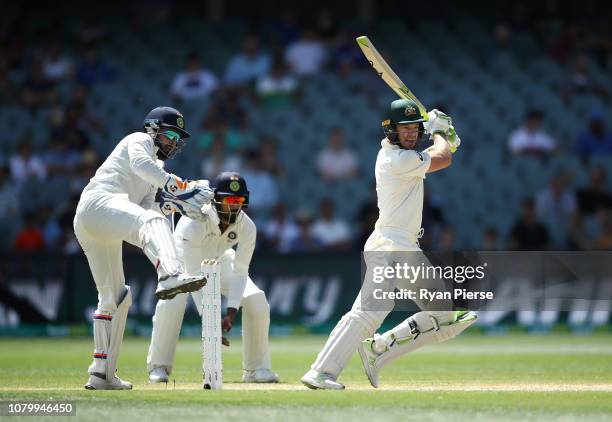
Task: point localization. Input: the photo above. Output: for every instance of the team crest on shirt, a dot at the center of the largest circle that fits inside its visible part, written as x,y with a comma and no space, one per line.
410,111
232,235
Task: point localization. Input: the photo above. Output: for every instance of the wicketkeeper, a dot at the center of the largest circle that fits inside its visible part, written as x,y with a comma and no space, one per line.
228,235
400,171
128,200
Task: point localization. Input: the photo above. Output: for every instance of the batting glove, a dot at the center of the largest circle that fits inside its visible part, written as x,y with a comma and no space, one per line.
438,122
453,139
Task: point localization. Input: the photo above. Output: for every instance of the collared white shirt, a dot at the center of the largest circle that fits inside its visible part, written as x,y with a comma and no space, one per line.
133,169
399,187
199,240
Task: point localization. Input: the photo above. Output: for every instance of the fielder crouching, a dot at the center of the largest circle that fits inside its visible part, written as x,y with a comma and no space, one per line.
226,229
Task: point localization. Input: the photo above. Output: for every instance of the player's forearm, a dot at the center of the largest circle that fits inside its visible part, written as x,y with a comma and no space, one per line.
146,168
237,283
440,153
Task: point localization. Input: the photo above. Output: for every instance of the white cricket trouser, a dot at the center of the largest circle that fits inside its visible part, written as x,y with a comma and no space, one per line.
101,224
169,315
359,323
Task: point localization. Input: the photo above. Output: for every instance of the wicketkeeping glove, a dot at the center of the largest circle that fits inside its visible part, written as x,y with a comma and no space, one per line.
185,197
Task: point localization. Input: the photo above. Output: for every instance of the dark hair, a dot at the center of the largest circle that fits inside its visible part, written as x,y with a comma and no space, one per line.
534,114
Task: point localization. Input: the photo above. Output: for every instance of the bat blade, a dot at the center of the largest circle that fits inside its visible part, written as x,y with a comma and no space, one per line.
387,74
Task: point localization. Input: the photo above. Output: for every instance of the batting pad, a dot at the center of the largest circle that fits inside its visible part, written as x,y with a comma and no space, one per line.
432,334
341,344
158,244
117,330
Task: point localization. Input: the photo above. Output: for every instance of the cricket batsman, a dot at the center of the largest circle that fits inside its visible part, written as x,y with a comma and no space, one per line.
128,200
400,171
227,235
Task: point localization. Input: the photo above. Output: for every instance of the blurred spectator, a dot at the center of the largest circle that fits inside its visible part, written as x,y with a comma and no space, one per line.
490,240
37,91
68,241
346,55
51,230
336,161
26,165
88,121
596,195
499,46
556,206
84,172
447,240
60,159
528,233
366,218
248,65
564,45
30,238
56,64
9,91
305,241
226,108
596,141
9,196
262,185
71,133
93,69
332,232
326,25
580,81
604,240
307,55
194,81
280,230
270,161
219,159
285,30
277,88
433,220
530,139
219,130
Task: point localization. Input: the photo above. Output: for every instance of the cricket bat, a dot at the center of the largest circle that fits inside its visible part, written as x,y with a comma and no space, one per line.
387,74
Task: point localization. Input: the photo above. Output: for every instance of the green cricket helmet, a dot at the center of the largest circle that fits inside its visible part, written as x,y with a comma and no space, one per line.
401,111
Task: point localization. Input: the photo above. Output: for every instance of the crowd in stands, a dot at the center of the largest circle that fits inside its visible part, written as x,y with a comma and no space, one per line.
271,68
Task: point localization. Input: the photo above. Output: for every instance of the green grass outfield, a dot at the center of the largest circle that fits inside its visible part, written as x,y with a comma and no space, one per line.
474,377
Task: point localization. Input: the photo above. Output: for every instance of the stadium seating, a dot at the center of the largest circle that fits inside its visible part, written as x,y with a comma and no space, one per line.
487,94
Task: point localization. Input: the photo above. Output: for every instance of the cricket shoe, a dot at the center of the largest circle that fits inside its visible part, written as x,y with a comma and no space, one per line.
158,375
368,359
261,375
99,382
321,381
180,283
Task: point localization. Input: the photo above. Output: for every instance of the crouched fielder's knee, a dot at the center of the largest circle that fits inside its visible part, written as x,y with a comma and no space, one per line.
256,306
